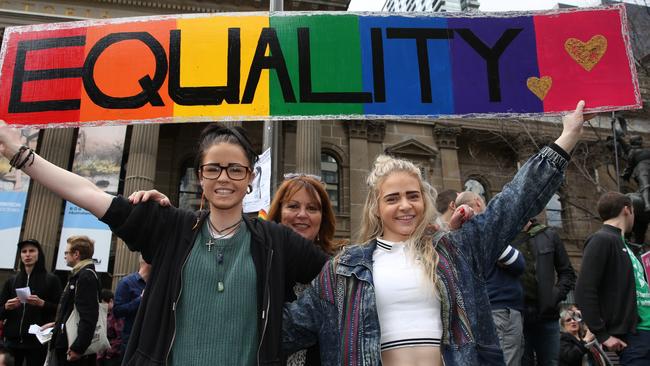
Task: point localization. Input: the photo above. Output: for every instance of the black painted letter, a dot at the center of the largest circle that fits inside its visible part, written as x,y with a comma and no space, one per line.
205,95
491,56
16,105
269,38
421,35
304,71
150,87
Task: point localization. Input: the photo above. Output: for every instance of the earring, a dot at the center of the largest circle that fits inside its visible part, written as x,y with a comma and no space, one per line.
249,189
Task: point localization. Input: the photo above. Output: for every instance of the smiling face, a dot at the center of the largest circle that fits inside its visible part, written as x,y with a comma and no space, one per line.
224,193
302,213
29,255
401,206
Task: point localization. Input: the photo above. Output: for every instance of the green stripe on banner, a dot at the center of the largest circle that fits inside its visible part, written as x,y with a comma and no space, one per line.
335,64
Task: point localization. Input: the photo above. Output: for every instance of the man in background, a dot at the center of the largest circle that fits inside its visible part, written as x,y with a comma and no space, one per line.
39,308
128,295
612,290
445,204
546,259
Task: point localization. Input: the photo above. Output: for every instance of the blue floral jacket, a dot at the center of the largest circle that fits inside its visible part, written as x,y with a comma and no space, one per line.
339,310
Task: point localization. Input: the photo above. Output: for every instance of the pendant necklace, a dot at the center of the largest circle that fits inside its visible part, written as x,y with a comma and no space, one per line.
217,235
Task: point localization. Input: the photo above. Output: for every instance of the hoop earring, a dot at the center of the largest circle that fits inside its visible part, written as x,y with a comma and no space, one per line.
249,189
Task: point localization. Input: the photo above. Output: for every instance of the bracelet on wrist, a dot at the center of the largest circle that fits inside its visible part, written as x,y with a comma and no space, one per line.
18,162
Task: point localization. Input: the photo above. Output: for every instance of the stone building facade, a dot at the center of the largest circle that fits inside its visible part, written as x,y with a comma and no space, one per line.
451,153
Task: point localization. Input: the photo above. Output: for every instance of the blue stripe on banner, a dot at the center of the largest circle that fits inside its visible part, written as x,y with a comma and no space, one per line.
77,217
12,208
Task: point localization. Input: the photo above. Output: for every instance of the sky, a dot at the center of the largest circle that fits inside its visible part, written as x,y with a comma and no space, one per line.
492,5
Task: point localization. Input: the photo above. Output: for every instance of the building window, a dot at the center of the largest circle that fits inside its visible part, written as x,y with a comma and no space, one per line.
477,187
554,212
330,174
189,190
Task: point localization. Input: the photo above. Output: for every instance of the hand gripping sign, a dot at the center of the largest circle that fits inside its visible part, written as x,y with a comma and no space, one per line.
316,65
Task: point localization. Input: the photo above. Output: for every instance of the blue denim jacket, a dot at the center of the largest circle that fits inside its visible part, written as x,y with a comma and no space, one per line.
339,310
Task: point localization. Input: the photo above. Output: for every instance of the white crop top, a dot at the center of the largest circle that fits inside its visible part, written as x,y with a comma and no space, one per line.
408,308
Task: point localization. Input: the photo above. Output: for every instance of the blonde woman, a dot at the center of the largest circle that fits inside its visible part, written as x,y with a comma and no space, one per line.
408,295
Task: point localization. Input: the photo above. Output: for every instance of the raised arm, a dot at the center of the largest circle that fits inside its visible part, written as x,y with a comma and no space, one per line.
69,186
485,236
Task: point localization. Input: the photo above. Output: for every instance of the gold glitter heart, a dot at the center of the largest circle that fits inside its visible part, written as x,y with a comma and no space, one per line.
587,54
539,86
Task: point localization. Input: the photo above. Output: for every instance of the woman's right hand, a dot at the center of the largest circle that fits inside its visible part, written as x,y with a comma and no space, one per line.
9,140
143,196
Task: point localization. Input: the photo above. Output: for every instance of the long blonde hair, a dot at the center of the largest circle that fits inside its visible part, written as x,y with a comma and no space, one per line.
371,225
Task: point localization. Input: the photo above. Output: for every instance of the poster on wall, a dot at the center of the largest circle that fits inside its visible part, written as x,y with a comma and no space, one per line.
313,65
260,196
13,197
98,158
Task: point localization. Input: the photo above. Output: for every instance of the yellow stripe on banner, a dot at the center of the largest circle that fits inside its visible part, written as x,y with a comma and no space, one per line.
204,63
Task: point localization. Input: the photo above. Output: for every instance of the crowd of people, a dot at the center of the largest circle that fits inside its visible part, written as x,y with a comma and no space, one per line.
218,287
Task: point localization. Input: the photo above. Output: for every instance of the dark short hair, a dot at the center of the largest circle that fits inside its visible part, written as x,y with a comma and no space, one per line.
106,295
444,197
611,204
216,133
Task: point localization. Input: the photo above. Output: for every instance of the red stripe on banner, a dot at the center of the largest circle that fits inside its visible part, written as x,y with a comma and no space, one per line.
582,52
47,86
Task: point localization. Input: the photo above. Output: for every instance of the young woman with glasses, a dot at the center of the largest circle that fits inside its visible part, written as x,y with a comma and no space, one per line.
218,279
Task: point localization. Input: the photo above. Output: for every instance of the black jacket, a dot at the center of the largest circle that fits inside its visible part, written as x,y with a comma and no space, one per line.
82,291
572,350
165,236
550,259
606,291
47,286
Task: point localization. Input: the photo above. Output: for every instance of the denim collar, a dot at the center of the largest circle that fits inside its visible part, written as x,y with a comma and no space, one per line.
358,255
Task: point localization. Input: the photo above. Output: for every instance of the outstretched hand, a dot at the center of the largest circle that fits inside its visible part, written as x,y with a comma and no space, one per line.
573,127
154,195
9,140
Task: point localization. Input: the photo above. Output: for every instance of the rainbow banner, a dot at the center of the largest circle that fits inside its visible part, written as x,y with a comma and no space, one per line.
316,65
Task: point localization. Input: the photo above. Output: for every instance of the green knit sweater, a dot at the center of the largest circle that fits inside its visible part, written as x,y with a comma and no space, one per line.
216,315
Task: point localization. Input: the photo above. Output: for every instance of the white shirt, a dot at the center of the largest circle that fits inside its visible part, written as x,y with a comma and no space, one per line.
407,304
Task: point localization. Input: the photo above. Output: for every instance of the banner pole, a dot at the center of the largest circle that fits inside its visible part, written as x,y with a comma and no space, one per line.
271,136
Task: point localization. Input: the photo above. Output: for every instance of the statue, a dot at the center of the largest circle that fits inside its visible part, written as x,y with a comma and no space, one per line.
638,167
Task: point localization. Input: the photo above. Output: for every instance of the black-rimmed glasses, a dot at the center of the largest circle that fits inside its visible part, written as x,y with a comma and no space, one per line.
233,171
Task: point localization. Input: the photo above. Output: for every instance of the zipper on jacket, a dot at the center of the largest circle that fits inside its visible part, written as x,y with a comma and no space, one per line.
180,291
267,306
22,317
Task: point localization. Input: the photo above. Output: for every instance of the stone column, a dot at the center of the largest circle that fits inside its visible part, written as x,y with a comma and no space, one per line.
140,174
44,207
359,168
447,144
308,147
